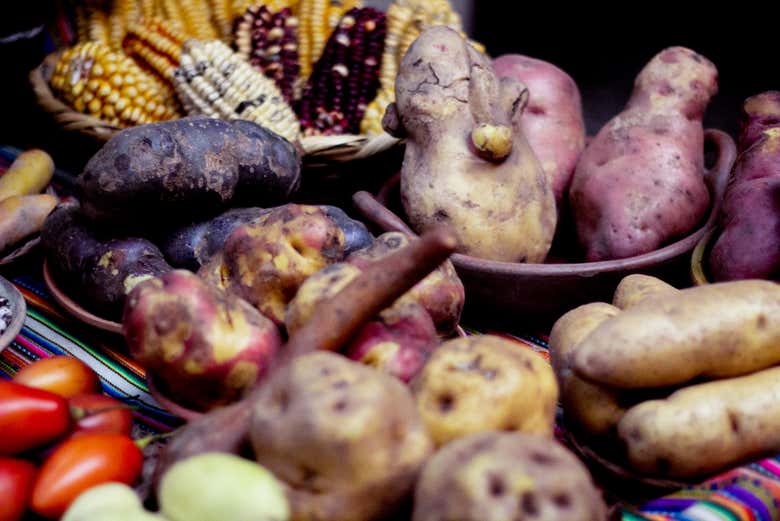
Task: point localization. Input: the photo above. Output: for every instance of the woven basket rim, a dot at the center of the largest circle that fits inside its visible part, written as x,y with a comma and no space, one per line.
322,149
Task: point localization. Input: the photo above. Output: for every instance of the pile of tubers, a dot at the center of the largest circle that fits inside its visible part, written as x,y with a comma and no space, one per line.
682,382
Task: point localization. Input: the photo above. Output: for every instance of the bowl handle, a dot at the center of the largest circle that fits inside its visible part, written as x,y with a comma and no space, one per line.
378,214
718,176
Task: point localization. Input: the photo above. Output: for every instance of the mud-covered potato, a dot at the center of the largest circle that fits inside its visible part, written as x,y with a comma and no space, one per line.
441,293
465,374
186,169
398,341
502,476
346,439
266,261
99,269
204,346
467,162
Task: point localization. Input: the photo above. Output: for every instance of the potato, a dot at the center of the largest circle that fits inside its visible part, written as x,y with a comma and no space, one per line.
635,288
187,169
552,121
594,408
398,341
217,487
191,246
346,439
467,162
500,476
114,501
705,428
29,174
639,183
714,331
441,293
750,216
22,216
98,269
266,261
465,374
204,347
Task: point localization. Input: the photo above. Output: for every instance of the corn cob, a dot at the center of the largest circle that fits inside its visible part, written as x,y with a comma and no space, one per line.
346,77
196,16
149,9
156,46
221,18
268,41
98,25
123,13
214,81
317,20
95,80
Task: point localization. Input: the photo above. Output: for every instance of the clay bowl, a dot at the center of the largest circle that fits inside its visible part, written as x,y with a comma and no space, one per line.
512,295
74,308
168,403
18,312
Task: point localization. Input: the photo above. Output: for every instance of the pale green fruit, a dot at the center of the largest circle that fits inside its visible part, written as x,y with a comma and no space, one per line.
113,501
214,486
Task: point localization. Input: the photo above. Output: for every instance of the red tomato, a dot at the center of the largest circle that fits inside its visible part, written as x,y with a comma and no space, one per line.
63,375
16,482
81,463
100,413
30,418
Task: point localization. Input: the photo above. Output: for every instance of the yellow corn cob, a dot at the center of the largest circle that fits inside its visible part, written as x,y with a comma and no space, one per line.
95,80
123,12
148,9
156,45
221,17
196,16
98,26
317,20
82,23
214,81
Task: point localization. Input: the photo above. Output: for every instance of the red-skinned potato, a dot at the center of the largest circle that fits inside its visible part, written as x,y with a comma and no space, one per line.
639,182
265,262
204,346
441,293
398,341
751,206
552,121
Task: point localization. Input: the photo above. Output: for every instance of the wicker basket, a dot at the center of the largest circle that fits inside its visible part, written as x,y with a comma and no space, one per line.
317,150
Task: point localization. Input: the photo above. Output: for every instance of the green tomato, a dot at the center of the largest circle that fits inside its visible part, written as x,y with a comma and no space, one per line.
215,486
113,501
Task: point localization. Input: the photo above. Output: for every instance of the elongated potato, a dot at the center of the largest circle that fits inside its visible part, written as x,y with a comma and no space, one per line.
23,215
704,428
29,174
635,288
596,409
715,331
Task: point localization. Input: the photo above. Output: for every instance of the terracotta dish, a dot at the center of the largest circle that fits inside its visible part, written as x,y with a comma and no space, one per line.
74,308
513,295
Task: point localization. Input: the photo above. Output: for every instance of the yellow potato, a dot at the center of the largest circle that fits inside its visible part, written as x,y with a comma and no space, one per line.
596,409
23,215
482,383
714,331
635,288
29,174
704,428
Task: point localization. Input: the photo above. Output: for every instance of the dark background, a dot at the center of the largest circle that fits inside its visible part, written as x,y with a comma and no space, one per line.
602,50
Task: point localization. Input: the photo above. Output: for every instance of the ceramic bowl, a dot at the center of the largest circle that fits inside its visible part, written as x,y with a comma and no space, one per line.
18,312
74,308
514,295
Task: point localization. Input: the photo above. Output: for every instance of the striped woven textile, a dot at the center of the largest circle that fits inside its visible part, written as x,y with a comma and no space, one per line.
747,493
